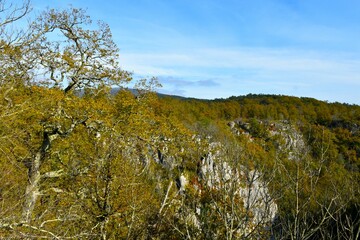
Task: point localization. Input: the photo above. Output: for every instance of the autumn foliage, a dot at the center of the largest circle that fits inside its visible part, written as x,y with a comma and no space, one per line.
80,160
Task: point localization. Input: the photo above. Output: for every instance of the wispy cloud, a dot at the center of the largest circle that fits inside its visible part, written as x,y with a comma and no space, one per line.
178,86
179,82
244,70
203,62
216,72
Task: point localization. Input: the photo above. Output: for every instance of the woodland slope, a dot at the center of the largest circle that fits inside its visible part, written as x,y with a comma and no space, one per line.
108,165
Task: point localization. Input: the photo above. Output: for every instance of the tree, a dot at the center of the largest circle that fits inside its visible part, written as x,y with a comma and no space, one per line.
313,191
10,13
12,40
101,189
79,58
12,105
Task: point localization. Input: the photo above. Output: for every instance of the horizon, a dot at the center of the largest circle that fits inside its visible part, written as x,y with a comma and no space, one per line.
218,49
114,90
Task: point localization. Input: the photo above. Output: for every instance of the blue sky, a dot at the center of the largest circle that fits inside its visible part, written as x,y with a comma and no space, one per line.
220,48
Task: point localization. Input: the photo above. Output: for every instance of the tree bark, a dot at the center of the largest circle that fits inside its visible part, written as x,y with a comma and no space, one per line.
32,189
34,176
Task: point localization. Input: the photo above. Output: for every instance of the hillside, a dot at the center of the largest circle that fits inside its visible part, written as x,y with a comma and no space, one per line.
119,165
288,164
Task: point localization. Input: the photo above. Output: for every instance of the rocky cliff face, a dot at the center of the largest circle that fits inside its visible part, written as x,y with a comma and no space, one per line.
232,192
243,183
286,137
235,184
216,172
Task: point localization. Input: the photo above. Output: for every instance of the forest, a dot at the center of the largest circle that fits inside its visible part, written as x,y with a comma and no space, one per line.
79,160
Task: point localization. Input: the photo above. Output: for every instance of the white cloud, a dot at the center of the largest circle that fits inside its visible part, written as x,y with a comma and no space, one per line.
249,70
192,63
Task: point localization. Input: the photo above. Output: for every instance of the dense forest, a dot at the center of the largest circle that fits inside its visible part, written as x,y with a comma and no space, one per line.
79,160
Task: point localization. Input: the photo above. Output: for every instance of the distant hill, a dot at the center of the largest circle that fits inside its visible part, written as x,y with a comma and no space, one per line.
135,92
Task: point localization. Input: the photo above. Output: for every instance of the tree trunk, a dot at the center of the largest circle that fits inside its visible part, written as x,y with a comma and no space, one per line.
32,190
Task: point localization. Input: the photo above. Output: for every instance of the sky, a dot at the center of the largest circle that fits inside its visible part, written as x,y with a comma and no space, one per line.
220,48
